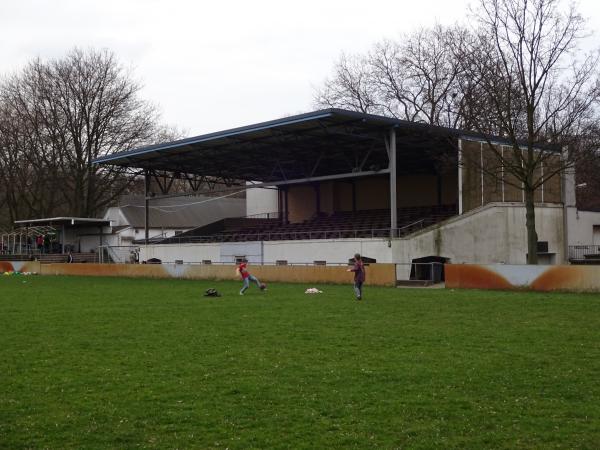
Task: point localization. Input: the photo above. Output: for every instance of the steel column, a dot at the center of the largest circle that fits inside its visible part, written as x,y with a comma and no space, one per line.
146,205
286,217
392,168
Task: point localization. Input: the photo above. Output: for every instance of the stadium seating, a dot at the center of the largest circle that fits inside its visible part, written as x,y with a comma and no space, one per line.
339,225
62,258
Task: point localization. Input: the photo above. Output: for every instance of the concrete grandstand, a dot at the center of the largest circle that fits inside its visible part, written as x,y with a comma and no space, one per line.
326,184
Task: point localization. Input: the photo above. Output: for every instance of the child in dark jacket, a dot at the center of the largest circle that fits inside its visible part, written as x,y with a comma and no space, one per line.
359,275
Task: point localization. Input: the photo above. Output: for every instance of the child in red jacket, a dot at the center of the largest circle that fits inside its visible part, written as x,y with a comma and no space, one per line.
242,269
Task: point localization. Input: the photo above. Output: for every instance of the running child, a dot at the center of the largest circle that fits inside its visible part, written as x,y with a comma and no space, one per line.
359,275
242,269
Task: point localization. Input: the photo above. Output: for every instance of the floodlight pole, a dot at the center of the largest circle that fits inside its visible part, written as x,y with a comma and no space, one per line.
460,176
392,168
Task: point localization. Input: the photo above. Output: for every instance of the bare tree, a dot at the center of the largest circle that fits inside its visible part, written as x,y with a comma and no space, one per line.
413,79
416,78
351,86
55,118
28,162
533,91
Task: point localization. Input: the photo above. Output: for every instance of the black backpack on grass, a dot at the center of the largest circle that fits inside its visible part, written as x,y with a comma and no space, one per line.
212,293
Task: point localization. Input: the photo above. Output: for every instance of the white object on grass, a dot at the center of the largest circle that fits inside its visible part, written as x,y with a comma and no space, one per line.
313,291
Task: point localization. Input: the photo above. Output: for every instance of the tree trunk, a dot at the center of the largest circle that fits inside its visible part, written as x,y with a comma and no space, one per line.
532,237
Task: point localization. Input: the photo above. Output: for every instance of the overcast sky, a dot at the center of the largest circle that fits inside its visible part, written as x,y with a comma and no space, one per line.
213,65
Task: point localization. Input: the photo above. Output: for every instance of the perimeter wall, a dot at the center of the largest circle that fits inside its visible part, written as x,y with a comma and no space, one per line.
574,278
20,266
377,274
333,251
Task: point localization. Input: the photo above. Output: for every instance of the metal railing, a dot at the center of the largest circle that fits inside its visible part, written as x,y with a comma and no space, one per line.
22,240
121,254
584,252
268,215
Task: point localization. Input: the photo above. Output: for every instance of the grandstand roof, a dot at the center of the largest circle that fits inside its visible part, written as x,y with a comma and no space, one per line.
69,221
320,143
187,212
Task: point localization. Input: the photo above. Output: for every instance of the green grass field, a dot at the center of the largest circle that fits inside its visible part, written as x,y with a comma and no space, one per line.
100,363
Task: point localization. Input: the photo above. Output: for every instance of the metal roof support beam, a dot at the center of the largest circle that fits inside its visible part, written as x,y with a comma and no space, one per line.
281,170
364,160
163,180
194,182
365,173
316,166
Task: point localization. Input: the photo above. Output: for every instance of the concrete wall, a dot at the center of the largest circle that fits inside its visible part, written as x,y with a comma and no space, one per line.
581,227
330,250
301,203
295,252
89,243
538,278
261,201
495,233
342,196
186,252
482,188
371,193
377,274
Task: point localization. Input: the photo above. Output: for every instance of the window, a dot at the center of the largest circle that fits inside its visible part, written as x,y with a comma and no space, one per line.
596,236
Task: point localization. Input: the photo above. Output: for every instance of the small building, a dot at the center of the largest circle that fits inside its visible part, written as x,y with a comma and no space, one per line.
168,217
121,226
59,235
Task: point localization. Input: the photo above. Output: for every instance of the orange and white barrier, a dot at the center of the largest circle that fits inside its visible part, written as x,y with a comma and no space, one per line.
576,278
